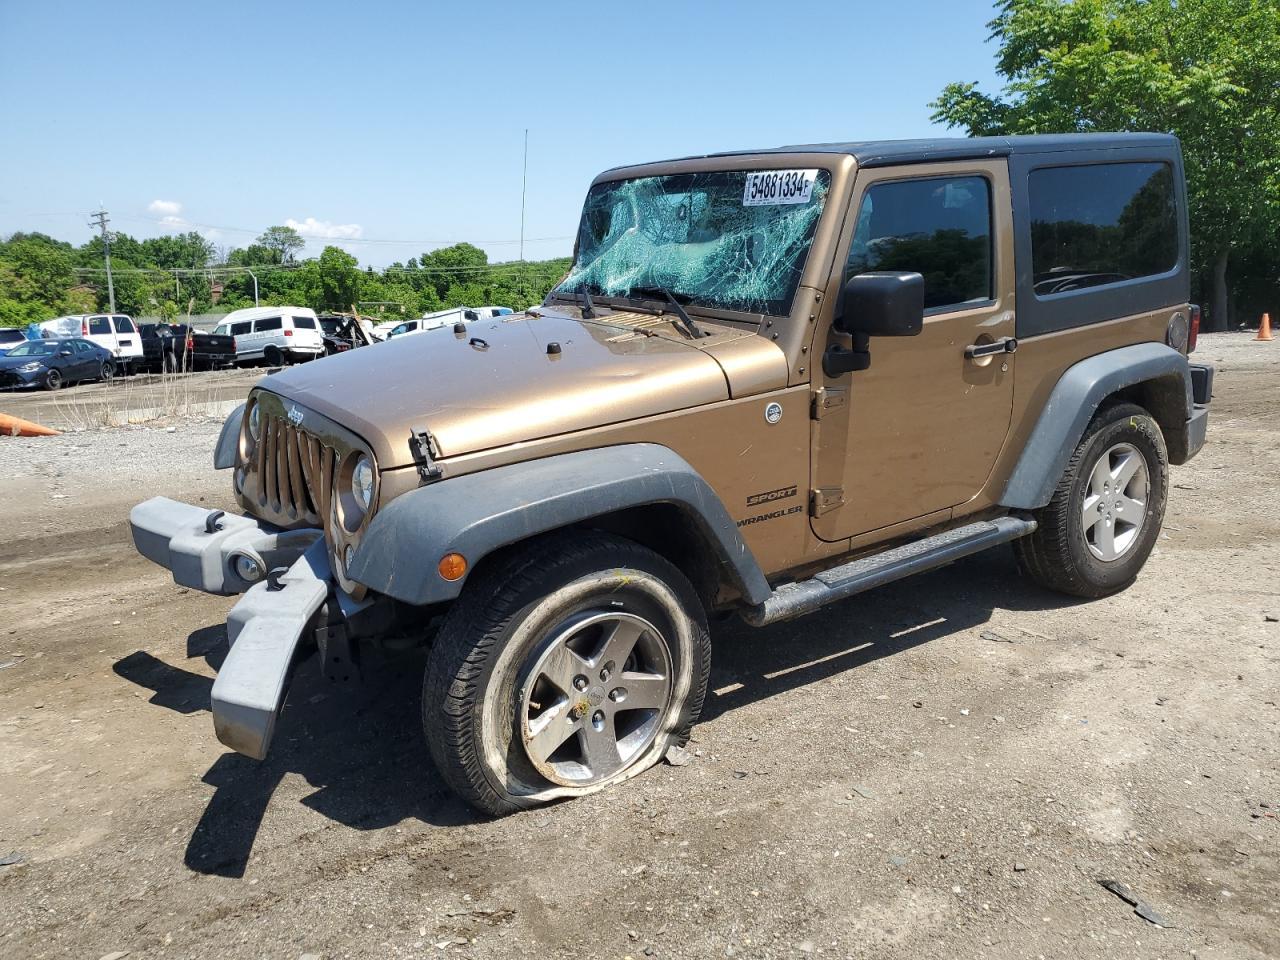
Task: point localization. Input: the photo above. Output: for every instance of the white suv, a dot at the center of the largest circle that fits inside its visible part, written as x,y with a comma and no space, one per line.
276,335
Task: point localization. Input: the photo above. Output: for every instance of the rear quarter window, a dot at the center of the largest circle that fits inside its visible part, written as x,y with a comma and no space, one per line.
1099,224
304,323
268,323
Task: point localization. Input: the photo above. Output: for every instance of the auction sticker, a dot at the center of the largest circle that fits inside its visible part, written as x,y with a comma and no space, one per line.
768,187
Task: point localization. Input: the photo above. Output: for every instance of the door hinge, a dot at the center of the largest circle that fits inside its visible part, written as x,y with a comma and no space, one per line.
827,398
423,447
824,500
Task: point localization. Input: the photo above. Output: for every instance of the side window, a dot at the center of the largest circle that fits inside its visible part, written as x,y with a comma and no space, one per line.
240,328
304,323
99,325
269,323
1101,223
939,228
82,346
123,325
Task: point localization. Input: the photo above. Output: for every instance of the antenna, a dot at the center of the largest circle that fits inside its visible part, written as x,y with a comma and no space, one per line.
524,188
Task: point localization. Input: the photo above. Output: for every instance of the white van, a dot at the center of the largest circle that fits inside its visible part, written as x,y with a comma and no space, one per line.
447,318
111,331
276,335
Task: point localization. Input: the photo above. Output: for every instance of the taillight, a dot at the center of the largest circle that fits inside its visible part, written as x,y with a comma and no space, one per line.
190,341
1194,327
235,345
84,328
288,333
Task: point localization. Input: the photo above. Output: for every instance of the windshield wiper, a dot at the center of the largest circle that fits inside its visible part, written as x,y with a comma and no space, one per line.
588,308
662,293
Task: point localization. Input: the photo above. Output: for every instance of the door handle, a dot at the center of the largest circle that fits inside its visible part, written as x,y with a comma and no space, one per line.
976,351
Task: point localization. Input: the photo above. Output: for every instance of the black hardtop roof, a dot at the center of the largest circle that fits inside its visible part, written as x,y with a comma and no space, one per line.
879,153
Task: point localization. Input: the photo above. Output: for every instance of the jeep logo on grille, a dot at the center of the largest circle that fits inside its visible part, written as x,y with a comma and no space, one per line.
295,415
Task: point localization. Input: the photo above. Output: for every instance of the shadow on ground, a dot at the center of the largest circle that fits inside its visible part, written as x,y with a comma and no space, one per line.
361,746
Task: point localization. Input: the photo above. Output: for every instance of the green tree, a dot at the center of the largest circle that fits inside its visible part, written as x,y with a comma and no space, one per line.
284,242
1205,70
339,279
458,264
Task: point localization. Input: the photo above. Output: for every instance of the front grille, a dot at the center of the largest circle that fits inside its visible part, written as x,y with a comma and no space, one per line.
295,473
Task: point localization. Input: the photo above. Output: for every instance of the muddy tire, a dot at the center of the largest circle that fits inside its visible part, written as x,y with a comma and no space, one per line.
566,666
1097,531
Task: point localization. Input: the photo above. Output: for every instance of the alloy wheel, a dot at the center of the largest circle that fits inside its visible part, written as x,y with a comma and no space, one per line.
1115,504
594,697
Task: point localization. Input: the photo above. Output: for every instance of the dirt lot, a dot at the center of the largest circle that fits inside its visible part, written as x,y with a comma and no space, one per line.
942,768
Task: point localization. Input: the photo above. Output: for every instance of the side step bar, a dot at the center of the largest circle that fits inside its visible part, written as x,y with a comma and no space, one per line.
794,599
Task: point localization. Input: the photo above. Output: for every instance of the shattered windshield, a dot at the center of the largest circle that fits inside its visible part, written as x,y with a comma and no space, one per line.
730,239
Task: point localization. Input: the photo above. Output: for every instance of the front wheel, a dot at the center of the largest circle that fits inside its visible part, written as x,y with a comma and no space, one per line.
1096,533
53,380
569,665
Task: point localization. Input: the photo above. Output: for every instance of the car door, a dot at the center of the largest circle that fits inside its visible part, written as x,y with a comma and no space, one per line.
87,362
916,435
128,342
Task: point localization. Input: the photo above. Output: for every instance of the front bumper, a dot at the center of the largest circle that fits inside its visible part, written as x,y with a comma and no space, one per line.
266,627
12,378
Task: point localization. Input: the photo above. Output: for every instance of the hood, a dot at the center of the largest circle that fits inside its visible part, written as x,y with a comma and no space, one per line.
8,363
497,384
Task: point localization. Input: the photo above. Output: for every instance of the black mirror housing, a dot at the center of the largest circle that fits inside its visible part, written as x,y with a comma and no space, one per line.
882,304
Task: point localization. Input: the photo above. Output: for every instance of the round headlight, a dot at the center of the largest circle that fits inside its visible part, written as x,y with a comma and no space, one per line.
255,422
362,482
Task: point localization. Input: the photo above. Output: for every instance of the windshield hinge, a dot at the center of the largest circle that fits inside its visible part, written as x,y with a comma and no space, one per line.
423,447
824,500
827,398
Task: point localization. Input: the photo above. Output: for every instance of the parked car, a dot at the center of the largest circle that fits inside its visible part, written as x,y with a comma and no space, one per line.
169,347
273,335
54,363
769,382
11,337
446,318
116,333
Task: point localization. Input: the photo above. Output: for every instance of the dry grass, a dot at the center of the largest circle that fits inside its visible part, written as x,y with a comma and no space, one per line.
136,399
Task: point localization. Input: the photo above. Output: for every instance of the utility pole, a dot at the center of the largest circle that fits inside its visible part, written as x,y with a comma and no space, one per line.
100,220
524,186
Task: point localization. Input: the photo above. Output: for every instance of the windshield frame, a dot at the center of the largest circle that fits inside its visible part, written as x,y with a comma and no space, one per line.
817,264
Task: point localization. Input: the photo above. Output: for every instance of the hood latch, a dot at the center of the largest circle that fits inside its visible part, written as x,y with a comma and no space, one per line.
425,453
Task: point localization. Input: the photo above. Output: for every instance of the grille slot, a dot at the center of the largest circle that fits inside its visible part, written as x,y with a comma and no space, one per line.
296,472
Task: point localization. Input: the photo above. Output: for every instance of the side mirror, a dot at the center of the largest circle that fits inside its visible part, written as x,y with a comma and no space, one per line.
880,304
885,304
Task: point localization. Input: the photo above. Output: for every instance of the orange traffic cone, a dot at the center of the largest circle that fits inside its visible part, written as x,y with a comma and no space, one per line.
17,427
1264,330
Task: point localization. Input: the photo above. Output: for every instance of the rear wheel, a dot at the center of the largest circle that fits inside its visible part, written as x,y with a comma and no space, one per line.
108,371
1097,531
273,356
568,666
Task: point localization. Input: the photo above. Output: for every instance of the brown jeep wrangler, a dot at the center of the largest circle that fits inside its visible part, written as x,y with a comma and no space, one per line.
771,380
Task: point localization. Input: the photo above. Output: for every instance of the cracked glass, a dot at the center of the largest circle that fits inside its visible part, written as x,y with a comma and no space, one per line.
728,239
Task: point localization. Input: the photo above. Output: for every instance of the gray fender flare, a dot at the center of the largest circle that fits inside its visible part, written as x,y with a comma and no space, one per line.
477,513
1076,398
224,454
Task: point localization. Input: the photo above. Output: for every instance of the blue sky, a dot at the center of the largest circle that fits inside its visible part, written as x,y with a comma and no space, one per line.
371,122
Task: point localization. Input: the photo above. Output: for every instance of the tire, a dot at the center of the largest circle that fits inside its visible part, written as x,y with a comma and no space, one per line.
53,380
566,604
1101,551
273,356
108,371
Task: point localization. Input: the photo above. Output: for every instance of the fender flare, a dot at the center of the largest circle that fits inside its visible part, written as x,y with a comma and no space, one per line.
1076,398
477,513
224,454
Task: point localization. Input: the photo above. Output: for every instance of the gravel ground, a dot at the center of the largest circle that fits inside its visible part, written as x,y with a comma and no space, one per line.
942,768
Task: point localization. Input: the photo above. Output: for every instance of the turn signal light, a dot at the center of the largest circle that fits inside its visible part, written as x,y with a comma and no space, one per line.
452,566
1193,333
